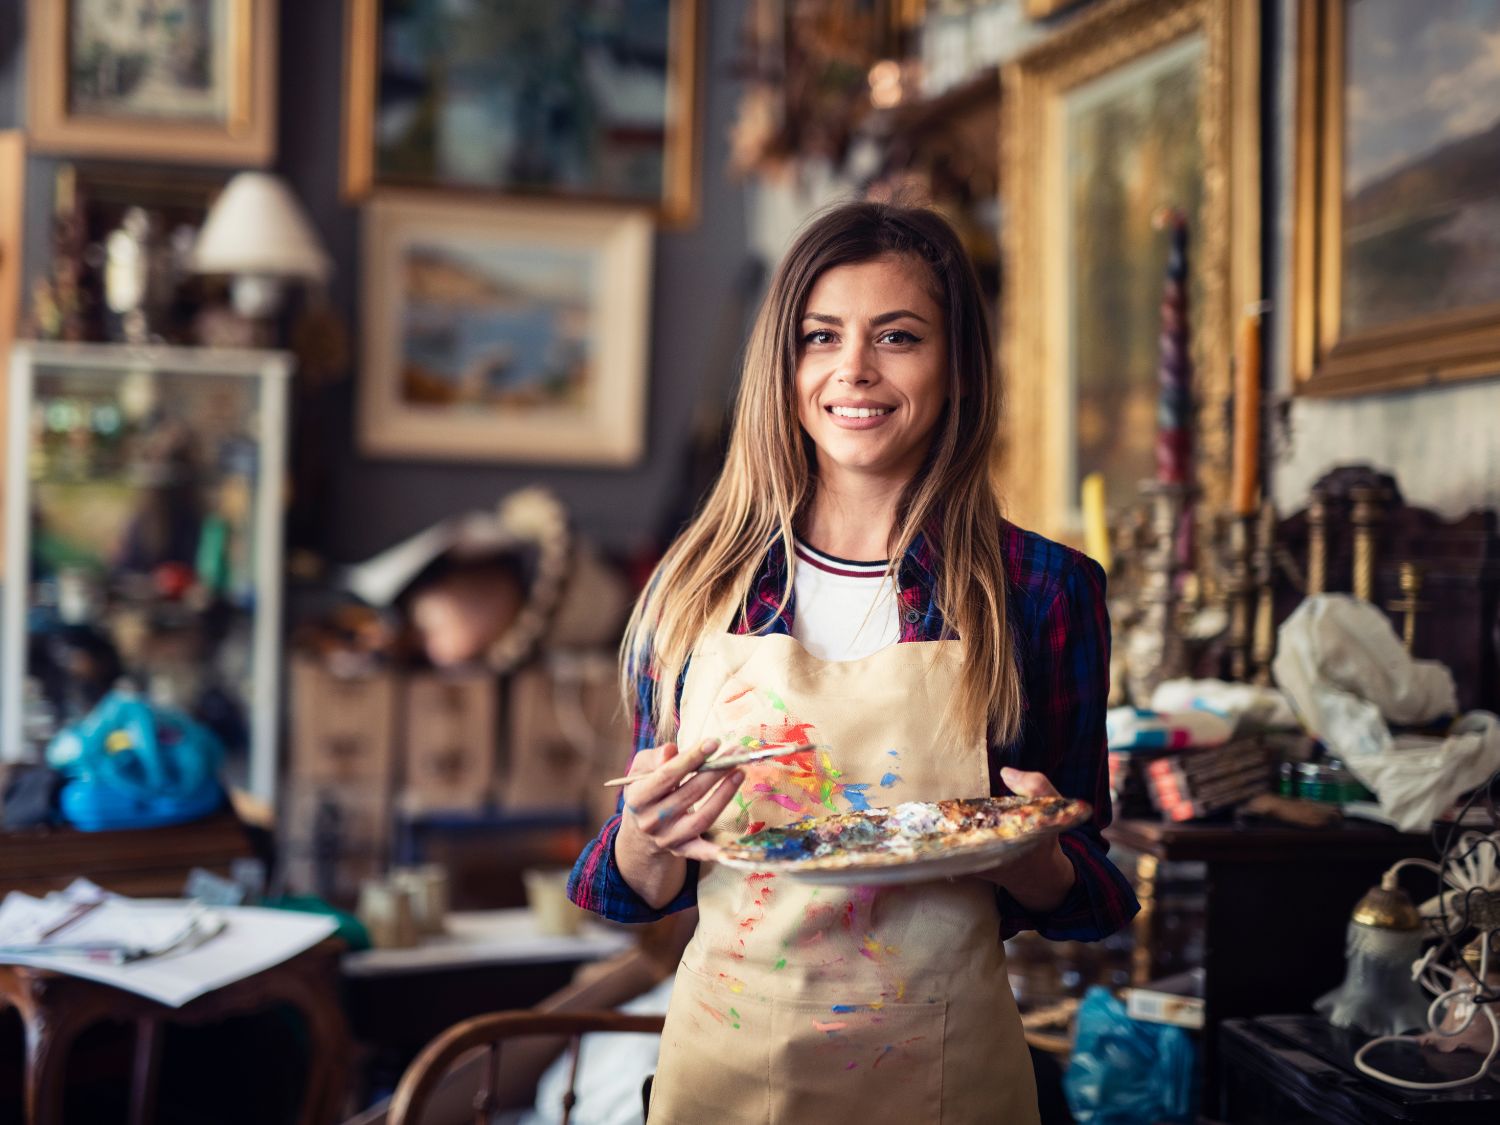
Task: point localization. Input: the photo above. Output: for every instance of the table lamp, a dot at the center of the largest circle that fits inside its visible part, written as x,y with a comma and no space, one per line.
1378,995
257,232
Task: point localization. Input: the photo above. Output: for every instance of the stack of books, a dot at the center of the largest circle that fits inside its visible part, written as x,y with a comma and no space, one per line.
1200,783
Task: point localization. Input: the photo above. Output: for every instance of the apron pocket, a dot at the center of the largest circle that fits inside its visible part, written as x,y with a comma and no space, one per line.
714,1055
827,1064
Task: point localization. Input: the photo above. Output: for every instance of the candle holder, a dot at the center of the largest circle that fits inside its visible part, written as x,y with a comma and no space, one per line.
1239,594
1262,566
1156,651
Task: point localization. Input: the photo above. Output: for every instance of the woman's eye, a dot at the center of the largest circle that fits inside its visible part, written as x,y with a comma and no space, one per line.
818,336
897,336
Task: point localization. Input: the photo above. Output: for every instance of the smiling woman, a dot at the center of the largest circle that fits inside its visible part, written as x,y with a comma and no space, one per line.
855,516
870,375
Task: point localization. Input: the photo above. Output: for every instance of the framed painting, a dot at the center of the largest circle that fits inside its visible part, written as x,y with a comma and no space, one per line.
478,97
1140,105
1042,9
504,332
1396,259
191,81
12,232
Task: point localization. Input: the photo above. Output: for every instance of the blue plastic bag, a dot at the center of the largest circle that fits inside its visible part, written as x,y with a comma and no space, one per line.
134,764
1128,1072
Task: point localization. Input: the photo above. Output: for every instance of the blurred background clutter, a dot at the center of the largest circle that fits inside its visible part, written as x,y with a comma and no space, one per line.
362,357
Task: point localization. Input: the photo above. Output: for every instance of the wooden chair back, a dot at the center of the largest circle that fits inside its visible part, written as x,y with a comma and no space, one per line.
489,1032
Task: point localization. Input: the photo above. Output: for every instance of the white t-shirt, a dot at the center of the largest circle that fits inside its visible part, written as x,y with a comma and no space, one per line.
844,610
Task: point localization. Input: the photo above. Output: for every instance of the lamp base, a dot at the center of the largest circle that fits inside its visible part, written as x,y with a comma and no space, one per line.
257,296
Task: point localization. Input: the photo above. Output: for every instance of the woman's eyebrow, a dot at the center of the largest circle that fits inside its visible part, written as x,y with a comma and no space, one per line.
883,318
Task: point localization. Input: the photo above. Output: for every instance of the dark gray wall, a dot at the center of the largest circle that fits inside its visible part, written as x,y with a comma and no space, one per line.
372,503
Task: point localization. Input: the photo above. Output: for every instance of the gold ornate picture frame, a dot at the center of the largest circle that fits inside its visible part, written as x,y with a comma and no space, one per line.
1068,107
512,332
1396,245
192,81
12,231
1043,9
454,100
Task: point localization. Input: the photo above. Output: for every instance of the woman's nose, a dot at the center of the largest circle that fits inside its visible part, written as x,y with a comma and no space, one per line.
854,365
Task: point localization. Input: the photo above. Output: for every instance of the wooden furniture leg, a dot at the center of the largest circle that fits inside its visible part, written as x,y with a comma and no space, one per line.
55,1009
144,1071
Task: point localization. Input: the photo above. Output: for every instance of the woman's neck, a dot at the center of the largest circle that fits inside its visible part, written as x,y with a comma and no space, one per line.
852,521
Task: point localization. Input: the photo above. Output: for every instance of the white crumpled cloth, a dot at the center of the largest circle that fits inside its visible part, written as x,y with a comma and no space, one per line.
1346,674
1247,705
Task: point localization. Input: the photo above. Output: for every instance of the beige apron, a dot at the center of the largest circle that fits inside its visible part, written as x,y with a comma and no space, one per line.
795,1003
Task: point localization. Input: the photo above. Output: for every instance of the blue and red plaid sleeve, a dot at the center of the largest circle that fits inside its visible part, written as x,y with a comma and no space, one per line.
596,883
1066,680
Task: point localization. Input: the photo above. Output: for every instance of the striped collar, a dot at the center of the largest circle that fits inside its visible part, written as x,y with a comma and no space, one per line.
769,610
842,568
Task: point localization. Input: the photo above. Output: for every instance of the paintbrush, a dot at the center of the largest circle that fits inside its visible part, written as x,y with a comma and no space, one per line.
728,761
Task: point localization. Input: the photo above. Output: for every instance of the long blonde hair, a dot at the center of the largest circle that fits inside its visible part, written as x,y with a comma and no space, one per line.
769,477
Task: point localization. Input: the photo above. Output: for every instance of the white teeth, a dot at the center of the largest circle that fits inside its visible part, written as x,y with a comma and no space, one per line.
860,411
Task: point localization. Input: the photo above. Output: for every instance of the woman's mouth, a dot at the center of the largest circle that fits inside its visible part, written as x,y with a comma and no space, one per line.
859,417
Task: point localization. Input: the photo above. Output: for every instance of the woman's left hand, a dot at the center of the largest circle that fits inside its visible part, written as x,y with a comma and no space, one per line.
1041,878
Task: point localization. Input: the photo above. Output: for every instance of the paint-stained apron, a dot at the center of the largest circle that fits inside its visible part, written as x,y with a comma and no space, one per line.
796,1004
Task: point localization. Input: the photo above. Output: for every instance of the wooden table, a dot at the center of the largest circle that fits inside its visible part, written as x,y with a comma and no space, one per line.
56,1009
1301,1068
1278,905
140,862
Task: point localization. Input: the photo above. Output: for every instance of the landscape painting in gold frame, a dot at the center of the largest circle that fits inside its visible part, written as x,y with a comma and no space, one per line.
1141,104
504,331
1396,259
190,81
465,98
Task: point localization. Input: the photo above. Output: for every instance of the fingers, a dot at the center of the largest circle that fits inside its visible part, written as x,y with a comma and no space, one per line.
666,772
1028,783
660,806
704,851
687,829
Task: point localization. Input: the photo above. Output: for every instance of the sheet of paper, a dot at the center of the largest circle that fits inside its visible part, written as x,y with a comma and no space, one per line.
253,939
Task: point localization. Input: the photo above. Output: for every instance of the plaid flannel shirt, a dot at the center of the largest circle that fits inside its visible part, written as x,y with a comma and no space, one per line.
1058,617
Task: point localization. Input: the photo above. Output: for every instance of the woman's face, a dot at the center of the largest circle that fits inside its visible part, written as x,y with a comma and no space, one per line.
872,368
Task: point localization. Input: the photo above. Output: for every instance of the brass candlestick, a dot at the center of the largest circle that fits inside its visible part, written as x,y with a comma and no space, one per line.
1262,562
1408,604
1239,591
1156,651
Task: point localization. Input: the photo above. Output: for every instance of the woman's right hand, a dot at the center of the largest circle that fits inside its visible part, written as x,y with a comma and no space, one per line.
660,827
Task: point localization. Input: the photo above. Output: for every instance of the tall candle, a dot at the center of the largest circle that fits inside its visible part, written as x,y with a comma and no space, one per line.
1095,524
1246,474
1174,370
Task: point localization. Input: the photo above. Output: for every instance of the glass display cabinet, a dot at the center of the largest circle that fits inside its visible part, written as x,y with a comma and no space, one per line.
143,541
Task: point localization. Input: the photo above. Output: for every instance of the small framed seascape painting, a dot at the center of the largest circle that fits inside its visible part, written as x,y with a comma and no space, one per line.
497,332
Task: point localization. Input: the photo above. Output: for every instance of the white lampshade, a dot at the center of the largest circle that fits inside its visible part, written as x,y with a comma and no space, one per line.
257,227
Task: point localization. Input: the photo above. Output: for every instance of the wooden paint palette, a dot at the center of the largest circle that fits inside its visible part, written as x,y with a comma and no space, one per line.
908,843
